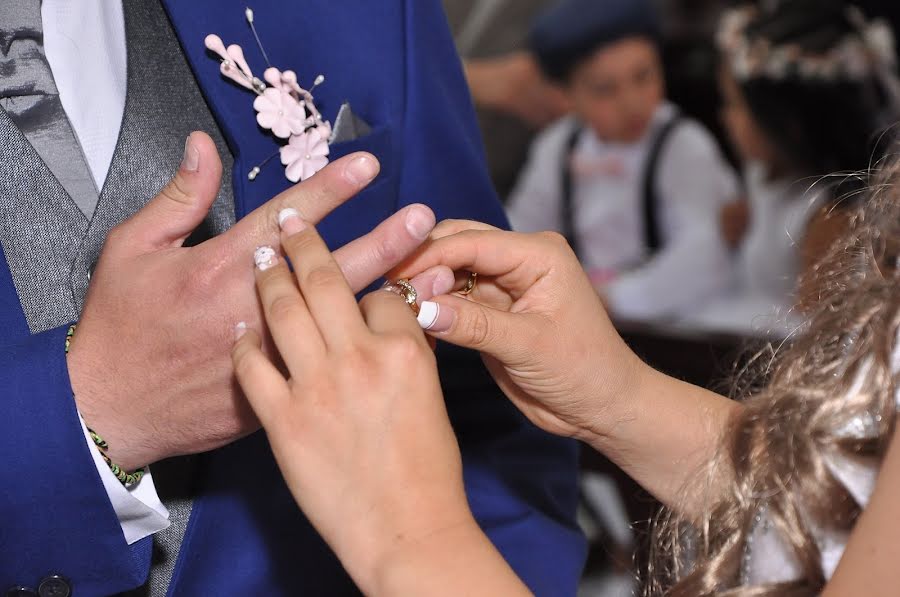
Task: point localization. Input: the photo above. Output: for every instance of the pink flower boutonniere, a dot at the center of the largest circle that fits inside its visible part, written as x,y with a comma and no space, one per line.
282,107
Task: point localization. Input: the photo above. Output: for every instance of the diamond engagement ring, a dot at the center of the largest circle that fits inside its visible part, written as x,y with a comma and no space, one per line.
404,290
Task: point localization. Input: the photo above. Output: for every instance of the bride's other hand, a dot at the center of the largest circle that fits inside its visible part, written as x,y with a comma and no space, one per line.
538,321
359,428
545,336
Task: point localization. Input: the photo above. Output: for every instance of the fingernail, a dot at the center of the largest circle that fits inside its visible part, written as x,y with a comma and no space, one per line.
443,283
420,223
434,318
239,330
191,160
290,221
265,257
361,170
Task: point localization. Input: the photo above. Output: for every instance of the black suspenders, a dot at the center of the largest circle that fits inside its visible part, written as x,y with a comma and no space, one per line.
649,193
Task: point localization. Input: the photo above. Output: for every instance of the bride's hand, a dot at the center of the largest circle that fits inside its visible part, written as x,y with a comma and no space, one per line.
537,320
360,429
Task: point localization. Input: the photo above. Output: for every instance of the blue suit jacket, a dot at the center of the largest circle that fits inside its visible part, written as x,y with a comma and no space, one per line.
395,62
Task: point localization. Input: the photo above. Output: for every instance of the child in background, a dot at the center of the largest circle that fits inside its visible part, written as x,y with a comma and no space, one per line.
634,186
808,85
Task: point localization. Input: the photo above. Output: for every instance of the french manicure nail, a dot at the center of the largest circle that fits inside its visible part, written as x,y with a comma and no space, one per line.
432,318
361,170
191,160
265,257
419,223
239,330
290,221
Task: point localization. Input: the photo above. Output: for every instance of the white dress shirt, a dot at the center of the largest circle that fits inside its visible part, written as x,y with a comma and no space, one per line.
693,183
85,45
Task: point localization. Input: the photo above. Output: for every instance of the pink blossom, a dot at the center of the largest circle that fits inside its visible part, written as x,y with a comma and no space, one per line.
304,155
280,112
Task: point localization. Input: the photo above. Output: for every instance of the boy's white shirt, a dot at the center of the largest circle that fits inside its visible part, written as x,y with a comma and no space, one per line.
694,182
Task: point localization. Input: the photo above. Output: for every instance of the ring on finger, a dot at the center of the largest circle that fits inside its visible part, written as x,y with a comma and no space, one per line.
406,291
471,283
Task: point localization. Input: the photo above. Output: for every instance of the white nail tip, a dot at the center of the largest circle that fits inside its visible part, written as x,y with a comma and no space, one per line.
284,214
428,315
264,257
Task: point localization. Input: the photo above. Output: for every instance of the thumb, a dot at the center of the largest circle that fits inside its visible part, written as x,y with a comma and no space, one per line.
465,323
170,217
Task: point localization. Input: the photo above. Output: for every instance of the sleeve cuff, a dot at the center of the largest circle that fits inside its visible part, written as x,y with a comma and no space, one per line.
139,509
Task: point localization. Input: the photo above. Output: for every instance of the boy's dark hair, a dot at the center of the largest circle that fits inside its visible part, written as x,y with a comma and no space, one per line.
573,30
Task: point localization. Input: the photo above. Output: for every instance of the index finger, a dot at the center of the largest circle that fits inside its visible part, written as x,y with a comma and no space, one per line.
485,252
313,199
325,290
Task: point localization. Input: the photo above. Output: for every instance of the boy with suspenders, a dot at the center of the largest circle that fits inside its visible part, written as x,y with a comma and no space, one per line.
634,186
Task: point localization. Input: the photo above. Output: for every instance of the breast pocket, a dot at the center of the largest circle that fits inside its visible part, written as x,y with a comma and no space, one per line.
377,201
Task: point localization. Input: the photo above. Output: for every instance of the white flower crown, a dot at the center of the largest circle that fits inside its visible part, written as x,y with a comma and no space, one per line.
869,51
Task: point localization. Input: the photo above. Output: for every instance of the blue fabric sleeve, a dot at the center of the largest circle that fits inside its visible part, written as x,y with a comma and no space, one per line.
521,482
55,516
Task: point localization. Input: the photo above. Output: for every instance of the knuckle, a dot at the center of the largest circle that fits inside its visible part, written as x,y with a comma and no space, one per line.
353,355
282,308
448,226
371,300
553,238
404,348
387,251
177,192
297,243
478,328
323,276
240,357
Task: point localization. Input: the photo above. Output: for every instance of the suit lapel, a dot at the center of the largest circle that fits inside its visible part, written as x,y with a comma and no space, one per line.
294,35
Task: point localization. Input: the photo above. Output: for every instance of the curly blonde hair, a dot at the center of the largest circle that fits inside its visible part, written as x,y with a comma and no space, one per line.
837,372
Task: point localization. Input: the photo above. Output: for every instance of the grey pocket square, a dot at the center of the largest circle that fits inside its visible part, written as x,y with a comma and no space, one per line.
348,126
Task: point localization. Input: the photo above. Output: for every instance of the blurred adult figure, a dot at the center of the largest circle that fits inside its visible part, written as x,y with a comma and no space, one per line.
512,97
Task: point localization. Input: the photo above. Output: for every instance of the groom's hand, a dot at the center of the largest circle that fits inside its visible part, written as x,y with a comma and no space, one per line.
150,365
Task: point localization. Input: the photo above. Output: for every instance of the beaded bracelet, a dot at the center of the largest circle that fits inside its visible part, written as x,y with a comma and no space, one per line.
125,478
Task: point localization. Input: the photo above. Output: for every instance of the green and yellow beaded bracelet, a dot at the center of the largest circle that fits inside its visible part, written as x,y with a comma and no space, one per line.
125,478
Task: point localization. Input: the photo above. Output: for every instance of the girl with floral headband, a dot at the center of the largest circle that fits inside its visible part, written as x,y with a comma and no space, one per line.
809,87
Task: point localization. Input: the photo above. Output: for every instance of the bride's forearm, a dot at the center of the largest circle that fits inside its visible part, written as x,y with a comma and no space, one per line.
460,561
664,433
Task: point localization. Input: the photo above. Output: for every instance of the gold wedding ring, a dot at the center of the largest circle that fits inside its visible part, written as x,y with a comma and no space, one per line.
406,291
471,283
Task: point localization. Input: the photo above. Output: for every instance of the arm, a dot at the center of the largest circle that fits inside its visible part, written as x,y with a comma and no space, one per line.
558,358
57,516
662,433
350,417
694,263
527,508
869,563
514,84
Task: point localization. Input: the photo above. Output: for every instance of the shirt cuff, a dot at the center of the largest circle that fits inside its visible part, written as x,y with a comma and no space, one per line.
139,509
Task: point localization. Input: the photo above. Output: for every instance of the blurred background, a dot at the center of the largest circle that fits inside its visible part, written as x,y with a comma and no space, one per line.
699,156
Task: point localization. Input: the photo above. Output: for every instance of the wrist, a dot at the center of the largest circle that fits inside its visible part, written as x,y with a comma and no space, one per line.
617,402
101,416
411,562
